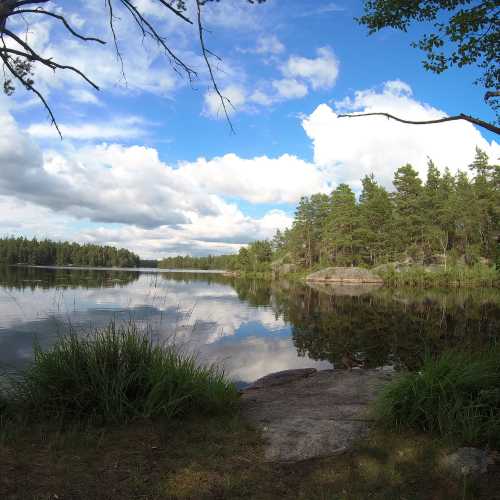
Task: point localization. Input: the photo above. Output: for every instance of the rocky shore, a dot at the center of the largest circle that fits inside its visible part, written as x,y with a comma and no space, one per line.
307,413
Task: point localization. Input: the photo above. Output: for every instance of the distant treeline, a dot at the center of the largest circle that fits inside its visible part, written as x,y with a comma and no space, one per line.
254,258
204,263
55,253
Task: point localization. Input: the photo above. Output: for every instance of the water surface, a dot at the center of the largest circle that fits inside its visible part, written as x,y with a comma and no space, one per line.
252,327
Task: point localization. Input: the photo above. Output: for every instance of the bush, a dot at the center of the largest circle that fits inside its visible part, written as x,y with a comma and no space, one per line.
116,374
456,396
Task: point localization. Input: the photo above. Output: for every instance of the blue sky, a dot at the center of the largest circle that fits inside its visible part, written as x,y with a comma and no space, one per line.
151,164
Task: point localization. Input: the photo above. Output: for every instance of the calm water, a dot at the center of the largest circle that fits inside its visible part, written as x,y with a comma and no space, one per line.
253,327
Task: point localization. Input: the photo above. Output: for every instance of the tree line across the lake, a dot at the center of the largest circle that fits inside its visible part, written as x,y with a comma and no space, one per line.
52,253
448,219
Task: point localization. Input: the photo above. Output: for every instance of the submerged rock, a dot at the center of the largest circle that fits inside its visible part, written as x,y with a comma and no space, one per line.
305,414
344,275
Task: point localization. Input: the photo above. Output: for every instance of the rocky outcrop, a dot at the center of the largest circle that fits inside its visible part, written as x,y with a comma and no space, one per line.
344,275
305,413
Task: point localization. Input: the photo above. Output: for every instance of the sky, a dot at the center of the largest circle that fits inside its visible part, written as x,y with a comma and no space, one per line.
150,163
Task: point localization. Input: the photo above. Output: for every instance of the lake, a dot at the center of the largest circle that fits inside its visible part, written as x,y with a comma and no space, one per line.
252,327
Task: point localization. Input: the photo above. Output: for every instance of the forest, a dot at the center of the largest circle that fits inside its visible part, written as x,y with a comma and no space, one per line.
448,219
53,253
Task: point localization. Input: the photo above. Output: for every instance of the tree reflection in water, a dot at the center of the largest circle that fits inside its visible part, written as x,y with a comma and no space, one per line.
383,326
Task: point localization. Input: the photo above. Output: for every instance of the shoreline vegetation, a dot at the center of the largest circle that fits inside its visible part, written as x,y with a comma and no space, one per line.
112,414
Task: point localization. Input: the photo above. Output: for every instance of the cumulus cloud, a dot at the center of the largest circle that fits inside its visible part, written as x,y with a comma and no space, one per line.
257,180
162,209
84,96
321,72
269,44
118,128
289,88
237,96
300,74
354,147
146,68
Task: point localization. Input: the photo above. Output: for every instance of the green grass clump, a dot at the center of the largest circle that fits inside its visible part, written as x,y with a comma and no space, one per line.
479,275
116,374
455,396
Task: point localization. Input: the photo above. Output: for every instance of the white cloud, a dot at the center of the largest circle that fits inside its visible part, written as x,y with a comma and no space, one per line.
321,72
258,180
354,147
237,99
84,96
323,9
161,209
147,70
269,44
119,128
289,88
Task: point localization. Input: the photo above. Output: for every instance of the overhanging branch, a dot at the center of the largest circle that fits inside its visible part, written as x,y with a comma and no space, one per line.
462,116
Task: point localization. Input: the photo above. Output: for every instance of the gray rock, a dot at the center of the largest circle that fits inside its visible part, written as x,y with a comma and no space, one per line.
344,275
468,461
311,415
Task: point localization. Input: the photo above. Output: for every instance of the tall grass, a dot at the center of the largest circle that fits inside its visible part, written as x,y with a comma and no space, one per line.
479,275
455,396
116,374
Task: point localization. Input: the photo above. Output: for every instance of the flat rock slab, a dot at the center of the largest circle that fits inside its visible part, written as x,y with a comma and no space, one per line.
305,413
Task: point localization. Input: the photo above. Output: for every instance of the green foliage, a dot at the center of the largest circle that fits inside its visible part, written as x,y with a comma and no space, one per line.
50,253
116,374
456,395
465,33
449,220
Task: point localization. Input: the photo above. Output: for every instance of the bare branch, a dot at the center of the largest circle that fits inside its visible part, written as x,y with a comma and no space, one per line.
63,20
29,86
115,40
147,29
206,53
175,11
33,56
18,58
468,118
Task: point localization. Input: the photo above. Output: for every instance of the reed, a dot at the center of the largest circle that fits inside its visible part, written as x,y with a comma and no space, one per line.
455,396
116,374
479,275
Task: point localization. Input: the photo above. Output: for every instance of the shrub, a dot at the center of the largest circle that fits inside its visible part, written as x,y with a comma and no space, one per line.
119,373
456,396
